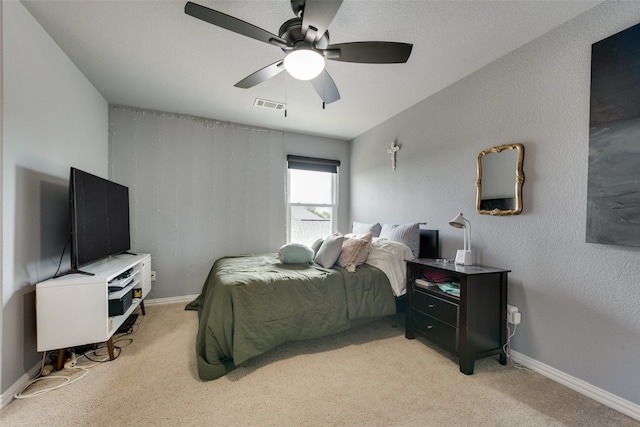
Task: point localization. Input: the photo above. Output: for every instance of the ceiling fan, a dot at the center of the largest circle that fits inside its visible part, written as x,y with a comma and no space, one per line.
305,40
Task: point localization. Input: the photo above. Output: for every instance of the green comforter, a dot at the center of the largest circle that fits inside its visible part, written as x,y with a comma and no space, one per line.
250,304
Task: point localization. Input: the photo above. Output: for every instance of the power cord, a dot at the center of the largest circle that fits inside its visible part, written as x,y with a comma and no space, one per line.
72,364
507,346
99,357
117,350
61,257
42,376
134,328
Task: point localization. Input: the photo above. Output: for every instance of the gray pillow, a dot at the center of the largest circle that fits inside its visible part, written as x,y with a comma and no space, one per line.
316,246
329,251
295,253
362,228
409,234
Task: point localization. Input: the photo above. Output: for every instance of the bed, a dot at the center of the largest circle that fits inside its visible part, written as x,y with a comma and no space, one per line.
250,304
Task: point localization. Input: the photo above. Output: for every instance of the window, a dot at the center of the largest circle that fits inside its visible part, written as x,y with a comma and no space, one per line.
312,198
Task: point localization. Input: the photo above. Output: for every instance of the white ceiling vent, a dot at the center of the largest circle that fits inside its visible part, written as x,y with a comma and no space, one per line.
271,105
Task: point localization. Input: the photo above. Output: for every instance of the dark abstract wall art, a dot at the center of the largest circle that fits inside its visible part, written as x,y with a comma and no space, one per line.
613,190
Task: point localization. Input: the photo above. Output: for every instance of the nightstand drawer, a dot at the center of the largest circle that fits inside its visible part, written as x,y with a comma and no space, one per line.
438,331
436,307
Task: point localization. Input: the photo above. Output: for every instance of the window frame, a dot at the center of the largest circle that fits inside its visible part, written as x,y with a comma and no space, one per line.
316,165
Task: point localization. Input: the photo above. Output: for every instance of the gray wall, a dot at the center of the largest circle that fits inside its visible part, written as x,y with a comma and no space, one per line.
53,118
1,169
579,301
202,189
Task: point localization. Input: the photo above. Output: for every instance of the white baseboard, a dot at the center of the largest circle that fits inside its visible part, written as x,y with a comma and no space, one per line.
22,382
609,399
185,299
606,398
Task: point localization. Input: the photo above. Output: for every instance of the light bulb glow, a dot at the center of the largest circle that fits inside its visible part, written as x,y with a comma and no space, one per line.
304,64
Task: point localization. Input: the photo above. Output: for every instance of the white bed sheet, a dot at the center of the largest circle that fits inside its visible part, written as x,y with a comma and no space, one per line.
390,257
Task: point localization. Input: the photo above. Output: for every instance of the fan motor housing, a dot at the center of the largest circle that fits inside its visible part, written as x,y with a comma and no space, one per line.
297,6
291,31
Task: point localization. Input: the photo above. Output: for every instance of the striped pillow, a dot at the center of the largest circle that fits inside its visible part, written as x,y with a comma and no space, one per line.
409,234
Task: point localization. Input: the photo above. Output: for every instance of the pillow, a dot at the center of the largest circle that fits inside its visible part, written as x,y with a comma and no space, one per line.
295,253
354,252
329,251
409,234
316,245
366,236
362,228
399,250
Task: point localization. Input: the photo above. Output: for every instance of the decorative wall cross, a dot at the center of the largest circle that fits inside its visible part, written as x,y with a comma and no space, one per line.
392,150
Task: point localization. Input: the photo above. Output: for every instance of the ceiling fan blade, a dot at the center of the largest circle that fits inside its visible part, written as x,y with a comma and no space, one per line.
230,23
261,75
369,52
318,14
326,87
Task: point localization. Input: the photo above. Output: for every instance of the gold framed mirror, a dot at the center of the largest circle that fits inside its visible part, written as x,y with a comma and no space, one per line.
499,189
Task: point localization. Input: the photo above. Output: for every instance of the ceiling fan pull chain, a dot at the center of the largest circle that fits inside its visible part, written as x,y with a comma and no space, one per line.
306,34
324,89
286,79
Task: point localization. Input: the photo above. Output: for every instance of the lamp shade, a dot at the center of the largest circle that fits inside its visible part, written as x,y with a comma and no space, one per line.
304,64
463,256
458,221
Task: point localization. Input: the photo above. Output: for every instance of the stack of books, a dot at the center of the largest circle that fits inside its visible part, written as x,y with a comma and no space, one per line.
451,288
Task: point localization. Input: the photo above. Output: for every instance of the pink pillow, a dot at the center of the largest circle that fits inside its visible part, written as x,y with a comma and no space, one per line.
355,251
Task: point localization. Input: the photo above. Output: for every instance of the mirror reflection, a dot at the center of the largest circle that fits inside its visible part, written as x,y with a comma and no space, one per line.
500,179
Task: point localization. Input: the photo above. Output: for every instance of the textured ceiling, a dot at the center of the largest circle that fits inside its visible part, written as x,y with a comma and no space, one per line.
150,54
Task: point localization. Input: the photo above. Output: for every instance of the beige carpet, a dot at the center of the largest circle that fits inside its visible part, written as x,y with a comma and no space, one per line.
368,376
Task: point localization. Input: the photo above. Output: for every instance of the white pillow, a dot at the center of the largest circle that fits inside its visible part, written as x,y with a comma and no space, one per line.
409,234
399,250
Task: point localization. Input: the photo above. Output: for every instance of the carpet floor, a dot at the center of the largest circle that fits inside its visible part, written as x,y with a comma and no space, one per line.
367,376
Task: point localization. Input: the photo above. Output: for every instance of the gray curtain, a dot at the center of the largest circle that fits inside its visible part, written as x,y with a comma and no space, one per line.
199,189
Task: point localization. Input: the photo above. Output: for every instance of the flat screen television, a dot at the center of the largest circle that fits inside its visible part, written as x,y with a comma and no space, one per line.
99,218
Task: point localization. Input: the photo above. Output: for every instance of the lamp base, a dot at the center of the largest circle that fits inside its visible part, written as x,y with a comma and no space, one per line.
464,257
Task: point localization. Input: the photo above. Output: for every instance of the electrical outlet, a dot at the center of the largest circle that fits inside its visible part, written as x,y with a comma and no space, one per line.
513,315
153,276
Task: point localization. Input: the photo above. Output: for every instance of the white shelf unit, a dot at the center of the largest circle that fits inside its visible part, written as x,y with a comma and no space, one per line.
73,310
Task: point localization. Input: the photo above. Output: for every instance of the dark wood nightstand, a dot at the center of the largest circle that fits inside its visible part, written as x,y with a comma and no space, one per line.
471,325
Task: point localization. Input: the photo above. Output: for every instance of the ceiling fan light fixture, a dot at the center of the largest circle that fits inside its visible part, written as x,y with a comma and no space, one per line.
304,64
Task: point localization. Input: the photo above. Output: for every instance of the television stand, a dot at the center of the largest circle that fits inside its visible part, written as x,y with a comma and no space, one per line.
73,309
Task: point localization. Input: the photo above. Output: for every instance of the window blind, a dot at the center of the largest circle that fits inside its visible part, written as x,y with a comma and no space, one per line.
312,164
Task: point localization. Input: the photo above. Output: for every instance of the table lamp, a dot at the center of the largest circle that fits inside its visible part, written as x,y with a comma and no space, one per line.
463,256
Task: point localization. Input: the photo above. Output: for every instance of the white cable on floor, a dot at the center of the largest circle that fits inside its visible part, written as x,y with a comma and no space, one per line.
68,380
